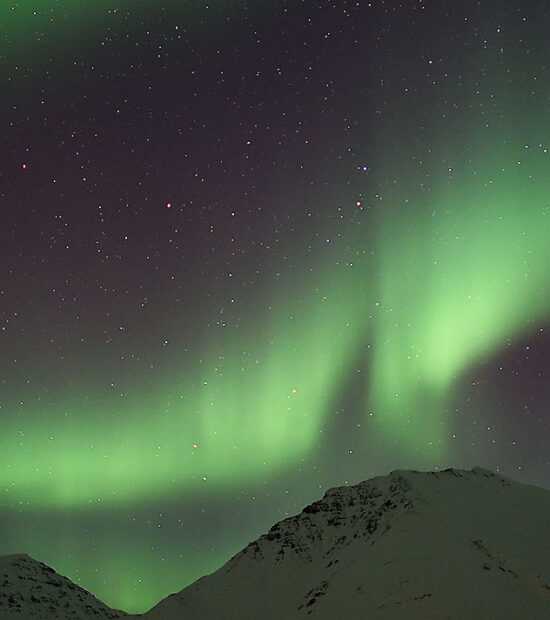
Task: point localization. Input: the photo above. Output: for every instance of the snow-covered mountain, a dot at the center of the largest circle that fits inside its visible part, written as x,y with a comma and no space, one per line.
452,544
30,589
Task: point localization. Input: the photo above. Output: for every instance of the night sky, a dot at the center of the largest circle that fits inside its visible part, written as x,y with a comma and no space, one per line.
253,250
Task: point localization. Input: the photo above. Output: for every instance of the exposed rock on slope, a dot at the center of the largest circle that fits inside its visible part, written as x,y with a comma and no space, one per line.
453,544
411,545
30,589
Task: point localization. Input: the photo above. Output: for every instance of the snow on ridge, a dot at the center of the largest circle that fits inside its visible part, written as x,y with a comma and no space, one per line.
367,509
394,543
409,545
31,589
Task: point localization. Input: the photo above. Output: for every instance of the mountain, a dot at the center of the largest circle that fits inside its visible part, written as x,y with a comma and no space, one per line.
450,545
30,589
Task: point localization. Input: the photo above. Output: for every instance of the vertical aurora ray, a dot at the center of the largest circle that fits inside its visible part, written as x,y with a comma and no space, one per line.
459,276
247,410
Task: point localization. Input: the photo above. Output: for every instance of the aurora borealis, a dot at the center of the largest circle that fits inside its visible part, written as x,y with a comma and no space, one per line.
252,251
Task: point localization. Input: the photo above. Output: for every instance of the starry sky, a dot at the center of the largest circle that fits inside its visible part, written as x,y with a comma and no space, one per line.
253,250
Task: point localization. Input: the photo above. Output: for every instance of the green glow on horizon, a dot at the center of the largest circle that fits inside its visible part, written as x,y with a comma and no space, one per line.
130,576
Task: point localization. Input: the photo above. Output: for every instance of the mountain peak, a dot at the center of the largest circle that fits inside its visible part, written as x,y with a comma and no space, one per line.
449,543
411,545
31,589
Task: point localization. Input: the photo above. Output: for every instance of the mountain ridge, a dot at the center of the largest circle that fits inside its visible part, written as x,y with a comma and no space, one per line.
31,589
450,543
385,547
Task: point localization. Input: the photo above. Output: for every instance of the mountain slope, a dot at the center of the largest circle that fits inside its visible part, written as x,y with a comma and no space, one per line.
453,544
30,589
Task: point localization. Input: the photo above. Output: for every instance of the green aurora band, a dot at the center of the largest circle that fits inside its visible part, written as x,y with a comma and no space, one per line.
458,286
469,275
247,411
456,273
